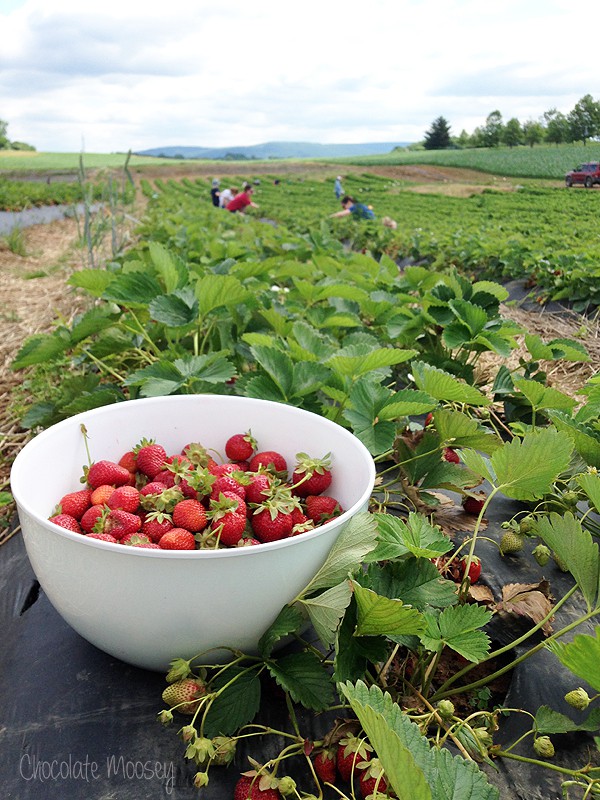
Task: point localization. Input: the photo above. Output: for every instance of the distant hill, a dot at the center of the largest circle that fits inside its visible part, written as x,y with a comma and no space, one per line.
275,150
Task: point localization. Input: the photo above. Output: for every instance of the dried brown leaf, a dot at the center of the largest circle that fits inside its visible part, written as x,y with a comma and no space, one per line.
531,600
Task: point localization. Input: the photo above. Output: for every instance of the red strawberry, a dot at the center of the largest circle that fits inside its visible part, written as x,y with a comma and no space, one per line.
136,539
271,524
156,525
66,521
101,494
228,518
301,522
429,419
350,752
191,515
371,778
125,497
473,504
248,788
322,508
258,489
184,695
104,537
241,466
128,460
451,455
91,517
153,487
221,469
177,539
311,475
324,764
474,568
227,483
269,459
240,446
108,472
151,458
197,454
166,477
119,523
76,503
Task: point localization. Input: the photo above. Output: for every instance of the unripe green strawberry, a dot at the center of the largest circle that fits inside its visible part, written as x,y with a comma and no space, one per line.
570,499
541,553
287,786
543,746
578,698
185,695
526,525
224,750
445,709
511,542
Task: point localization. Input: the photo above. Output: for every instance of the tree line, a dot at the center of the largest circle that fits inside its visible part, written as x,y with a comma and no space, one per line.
580,124
6,144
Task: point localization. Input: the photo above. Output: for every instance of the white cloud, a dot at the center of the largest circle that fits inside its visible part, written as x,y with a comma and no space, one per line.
248,71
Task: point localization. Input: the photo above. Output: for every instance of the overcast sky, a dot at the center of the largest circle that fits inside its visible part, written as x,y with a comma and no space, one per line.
112,75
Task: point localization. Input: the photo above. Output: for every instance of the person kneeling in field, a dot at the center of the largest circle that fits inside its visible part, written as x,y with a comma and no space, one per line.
358,210
242,201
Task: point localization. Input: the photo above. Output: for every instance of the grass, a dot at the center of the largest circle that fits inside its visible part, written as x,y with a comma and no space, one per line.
25,161
540,161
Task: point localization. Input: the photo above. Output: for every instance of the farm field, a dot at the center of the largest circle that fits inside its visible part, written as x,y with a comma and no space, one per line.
289,305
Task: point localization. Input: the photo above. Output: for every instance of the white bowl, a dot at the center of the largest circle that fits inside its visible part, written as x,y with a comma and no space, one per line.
146,606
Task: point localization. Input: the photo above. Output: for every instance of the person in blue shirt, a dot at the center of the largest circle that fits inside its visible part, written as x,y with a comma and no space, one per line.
357,210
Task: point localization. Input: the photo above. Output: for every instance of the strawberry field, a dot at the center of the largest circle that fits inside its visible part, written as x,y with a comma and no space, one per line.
483,474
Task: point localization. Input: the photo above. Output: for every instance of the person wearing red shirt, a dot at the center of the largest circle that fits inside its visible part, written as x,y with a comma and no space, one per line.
242,200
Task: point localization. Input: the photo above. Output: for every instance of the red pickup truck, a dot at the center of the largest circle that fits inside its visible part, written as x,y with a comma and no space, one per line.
588,174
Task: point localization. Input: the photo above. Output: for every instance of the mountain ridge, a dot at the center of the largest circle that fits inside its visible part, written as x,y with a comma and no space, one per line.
273,150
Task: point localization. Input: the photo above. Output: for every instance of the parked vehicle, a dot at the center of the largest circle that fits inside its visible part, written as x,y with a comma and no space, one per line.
588,174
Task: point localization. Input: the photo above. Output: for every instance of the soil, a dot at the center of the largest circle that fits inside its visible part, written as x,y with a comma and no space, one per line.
35,291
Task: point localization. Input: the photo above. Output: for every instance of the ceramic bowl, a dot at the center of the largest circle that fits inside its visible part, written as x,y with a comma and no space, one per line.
146,606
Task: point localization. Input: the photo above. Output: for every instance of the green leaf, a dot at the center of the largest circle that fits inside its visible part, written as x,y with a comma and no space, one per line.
445,475
581,656
170,268
526,469
289,620
327,609
444,387
396,538
564,535
175,310
6,499
459,430
305,678
215,291
278,366
94,281
357,539
430,772
40,348
383,616
156,380
548,721
456,627
353,366
478,464
367,399
406,402
543,397
263,388
416,582
353,653
237,704
308,377
582,436
565,349
133,289
590,483
94,321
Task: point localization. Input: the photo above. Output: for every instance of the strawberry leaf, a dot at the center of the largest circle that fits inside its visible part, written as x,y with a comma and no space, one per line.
415,582
135,289
543,397
216,291
456,627
415,770
327,610
459,430
289,620
590,483
446,387
557,349
175,310
354,653
94,281
584,438
354,366
237,701
171,269
564,535
397,537
40,348
525,469
382,616
357,539
581,656
305,678
549,721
